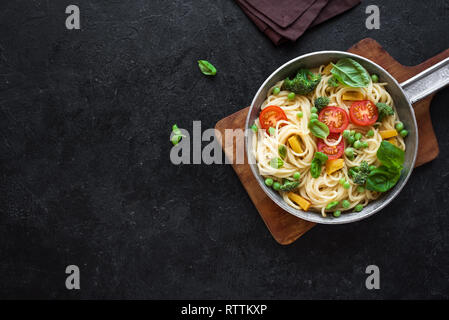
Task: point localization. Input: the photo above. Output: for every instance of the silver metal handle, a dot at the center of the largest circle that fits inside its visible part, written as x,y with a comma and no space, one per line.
427,82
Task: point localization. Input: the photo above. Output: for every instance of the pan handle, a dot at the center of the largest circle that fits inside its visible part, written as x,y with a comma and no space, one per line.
427,82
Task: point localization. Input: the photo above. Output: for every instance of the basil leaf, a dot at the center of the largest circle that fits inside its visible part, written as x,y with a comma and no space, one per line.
351,73
318,129
315,168
282,151
276,163
332,205
390,155
207,68
177,135
321,156
318,160
289,185
382,179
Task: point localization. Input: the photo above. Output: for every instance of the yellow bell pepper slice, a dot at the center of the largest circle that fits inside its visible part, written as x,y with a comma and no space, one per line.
334,165
294,143
353,96
393,141
303,203
390,133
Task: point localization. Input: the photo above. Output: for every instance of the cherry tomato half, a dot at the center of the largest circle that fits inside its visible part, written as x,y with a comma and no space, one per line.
363,113
335,118
333,152
270,116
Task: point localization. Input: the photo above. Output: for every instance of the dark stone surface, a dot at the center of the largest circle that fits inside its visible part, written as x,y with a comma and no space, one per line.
86,178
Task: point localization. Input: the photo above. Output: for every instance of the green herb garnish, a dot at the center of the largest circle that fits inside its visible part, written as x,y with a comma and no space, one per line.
282,151
318,129
332,205
317,162
177,135
207,68
351,73
386,176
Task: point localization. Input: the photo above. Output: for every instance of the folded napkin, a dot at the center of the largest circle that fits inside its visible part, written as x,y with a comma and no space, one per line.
284,20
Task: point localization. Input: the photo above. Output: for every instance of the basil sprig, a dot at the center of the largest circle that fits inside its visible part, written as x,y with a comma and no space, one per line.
282,151
207,68
318,129
350,73
387,175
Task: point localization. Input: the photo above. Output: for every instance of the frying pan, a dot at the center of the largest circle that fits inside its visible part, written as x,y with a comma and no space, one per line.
404,95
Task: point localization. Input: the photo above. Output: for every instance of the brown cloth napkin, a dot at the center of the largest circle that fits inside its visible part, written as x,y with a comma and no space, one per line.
284,20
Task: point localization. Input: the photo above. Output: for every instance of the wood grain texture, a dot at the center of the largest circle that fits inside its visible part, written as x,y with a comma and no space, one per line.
286,228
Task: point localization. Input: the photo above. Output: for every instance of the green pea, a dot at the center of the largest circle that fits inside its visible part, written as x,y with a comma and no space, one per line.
403,133
346,134
360,189
370,133
352,132
291,96
399,126
296,175
357,144
332,205
349,152
314,110
372,167
276,91
351,140
346,185
276,186
358,208
269,182
271,131
342,181
313,116
345,204
299,114
375,77
364,144
358,136
337,213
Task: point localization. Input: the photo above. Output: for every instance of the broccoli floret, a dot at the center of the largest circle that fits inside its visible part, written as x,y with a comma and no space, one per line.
321,102
360,174
303,83
384,110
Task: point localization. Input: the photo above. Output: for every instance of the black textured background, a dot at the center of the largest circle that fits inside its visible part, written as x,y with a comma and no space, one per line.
85,118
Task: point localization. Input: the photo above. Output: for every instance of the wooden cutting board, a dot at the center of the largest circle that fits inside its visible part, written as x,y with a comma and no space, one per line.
285,227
